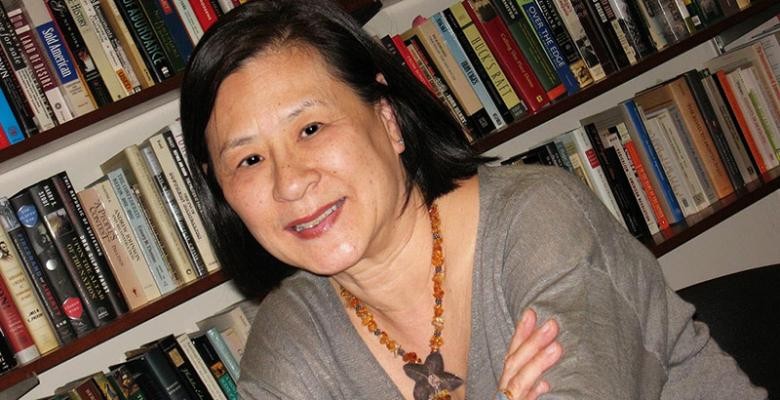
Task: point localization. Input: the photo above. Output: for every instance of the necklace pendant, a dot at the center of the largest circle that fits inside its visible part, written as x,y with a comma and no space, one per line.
432,382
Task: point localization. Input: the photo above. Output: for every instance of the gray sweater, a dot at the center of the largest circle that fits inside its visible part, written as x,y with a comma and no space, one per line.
544,242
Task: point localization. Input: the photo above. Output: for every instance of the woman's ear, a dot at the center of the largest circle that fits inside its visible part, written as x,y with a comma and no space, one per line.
386,114
381,79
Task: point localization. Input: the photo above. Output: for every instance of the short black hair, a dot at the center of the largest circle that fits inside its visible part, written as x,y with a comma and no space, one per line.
436,155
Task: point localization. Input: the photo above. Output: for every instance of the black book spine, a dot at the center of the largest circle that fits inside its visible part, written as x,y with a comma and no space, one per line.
89,242
38,276
215,365
716,132
46,252
507,114
72,253
184,170
60,14
592,31
631,22
155,363
184,368
737,128
565,42
155,17
143,35
604,16
19,106
618,183
7,360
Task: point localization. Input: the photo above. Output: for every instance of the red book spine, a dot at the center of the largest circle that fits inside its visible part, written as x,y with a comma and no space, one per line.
204,12
11,322
743,125
641,173
403,51
3,139
509,56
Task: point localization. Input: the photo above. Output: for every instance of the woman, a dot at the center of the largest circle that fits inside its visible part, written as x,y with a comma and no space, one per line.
321,154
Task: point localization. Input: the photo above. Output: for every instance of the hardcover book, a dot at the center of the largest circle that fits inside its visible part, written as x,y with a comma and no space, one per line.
19,339
155,375
191,353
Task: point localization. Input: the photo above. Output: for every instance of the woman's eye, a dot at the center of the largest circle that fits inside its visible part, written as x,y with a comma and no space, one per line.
310,130
251,160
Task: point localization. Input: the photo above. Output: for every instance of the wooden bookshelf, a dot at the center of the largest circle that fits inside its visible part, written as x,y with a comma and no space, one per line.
124,323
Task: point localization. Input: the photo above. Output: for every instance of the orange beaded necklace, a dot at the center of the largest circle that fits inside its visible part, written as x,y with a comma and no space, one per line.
431,381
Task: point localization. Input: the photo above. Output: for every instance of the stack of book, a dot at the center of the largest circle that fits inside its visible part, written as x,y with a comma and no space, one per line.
677,148
494,61
72,261
186,366
61,59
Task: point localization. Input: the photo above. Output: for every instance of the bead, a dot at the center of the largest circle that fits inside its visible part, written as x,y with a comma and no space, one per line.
371,326
410,357
438,310
391,345
438,322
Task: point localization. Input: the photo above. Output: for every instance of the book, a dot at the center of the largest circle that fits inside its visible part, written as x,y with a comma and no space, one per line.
115,53
119,244
739,34
16,333
165,35
762,107
74,88
83,388
185,370
37,61
576,162
606,31
190,20
508,54
124,41
510,21
506,98
88,241
597,43
234,319
148,44
156,377
105,386
73,256
46,252
164,146
395,46
20,288
570,20
124,381
570,52
81,54
222,350
205,13
13,107
144,234
7,360
138,176
30,87
215,365
204,373
634,29
173,209
38,276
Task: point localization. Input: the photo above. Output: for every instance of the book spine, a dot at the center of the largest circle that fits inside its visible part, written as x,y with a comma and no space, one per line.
757,131
181,164
143,232
174,211
216,366
39,279
574,158
72,254
396,47
607,33
84,60
649,13
114,52
19,339
731,131
741,118
21,291
469,71
47,255
190,20
508,14
572,25
88,241
650,158
7,360
18,106
572,56
125,383
155,16
183,367
200,367
703,191
505,96
73,87
29,85
592,30
156,364
106,388
204,12
628,21
223,351
550,46
615,31
707,111
762,106
10,125
615,140
148,44
503,46
660,217
563,154
133,61
176,28
39,65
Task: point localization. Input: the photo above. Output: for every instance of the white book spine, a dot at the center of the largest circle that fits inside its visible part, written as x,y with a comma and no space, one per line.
104,35
756,129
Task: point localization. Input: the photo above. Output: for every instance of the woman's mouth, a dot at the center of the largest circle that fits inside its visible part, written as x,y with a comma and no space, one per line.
313,227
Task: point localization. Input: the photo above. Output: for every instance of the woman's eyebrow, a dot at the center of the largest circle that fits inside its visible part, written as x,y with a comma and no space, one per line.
303,106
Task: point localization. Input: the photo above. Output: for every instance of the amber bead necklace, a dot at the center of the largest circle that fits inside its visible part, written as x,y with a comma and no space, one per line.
431,381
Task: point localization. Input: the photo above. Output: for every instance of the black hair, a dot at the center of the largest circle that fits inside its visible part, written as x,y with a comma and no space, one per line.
436,153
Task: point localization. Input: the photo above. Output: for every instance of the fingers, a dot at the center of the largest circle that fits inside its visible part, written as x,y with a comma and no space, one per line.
523,330
526,383
529,347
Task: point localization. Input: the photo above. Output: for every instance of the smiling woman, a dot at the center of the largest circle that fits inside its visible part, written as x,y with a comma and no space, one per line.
417,274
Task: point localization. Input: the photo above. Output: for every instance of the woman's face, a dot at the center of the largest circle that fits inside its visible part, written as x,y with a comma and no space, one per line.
312,170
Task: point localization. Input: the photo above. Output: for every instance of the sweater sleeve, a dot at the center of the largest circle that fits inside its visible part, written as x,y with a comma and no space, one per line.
625,333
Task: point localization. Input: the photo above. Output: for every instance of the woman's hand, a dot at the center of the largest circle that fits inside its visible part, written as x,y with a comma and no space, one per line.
532,352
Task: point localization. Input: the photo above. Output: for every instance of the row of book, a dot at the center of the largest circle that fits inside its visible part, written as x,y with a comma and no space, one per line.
75,260
494,61
678,147
201,365
61,59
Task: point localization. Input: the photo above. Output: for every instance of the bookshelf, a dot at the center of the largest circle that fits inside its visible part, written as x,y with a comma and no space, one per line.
194,295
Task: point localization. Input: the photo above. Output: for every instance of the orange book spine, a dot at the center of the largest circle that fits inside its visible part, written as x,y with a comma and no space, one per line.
641,173
743,125
410,63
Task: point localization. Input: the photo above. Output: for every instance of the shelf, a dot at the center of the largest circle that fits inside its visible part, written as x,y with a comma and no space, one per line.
676,235
123,323
517,128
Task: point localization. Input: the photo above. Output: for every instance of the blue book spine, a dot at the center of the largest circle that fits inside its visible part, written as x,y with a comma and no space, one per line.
550,46
655,163
181,39
143,231
222,350
468,69
58,54
10,125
